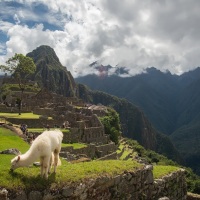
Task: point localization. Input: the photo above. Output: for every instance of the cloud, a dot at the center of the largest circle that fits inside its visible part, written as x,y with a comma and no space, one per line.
16,18
136,34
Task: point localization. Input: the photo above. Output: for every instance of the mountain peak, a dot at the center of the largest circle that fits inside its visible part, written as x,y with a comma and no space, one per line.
50,73
47,55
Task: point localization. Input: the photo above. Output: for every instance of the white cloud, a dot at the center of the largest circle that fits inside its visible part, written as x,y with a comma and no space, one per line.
136,34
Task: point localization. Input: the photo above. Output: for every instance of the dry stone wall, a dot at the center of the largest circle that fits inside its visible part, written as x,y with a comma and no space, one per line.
137,185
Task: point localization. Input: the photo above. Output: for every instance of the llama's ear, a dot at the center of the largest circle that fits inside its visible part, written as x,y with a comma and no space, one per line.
18,158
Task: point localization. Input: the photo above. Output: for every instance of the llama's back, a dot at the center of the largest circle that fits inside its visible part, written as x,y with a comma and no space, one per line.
47,142
56,137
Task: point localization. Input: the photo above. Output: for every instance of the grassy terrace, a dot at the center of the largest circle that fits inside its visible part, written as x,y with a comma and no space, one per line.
40,130
22,116
28,177
160,171
74,145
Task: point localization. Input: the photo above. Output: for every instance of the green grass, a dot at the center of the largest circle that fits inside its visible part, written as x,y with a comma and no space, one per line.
121,146
11,140
125,154
28,177
160,171
74,145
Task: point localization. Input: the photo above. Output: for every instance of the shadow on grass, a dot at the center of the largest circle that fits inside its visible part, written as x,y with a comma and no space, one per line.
34,182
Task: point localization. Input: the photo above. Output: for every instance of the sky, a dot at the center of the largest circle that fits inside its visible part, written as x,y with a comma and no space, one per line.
134,34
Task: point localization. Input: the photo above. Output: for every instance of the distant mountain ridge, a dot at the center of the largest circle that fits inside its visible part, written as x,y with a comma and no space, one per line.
159,95
171,103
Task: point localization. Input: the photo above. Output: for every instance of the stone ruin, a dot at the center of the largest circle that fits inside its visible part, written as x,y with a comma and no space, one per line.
73,114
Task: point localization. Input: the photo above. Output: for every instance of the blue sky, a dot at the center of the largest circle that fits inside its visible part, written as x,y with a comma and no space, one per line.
134,34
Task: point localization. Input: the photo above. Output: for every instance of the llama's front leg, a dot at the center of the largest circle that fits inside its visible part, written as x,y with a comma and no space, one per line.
46,166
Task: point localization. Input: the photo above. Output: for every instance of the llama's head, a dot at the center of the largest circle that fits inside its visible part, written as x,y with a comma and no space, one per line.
15,163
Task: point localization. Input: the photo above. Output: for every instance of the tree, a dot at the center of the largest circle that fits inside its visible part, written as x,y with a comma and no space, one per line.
111,124
20,67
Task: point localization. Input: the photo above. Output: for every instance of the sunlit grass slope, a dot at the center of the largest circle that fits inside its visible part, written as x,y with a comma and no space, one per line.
28,177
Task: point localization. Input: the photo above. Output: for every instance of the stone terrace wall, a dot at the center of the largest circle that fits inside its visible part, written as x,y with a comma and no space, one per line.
106,149
74,135
93,151
89,151
138,185
94,134
43,111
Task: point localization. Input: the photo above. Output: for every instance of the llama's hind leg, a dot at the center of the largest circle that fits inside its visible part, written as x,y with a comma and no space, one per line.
56,157
50,163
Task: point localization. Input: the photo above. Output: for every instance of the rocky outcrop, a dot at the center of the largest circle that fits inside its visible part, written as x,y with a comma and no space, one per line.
11,151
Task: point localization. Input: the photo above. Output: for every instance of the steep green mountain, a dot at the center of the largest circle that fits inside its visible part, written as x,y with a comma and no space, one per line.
50,73
171,103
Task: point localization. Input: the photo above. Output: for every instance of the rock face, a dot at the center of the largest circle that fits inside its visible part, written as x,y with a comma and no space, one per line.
138,184
11,151
50,73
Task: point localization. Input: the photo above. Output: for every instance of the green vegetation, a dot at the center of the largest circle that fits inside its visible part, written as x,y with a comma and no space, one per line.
11,140
20,67
5,88
29,177
120,148
162,165
125,154
150,156
160,171
112,125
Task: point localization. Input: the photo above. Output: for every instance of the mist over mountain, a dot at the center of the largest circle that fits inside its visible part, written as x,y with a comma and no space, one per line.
170,102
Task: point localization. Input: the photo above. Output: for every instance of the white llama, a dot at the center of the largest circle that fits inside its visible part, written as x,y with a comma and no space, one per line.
43,147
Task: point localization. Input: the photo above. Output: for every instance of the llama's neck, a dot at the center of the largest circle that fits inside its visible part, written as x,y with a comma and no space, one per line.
28,158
